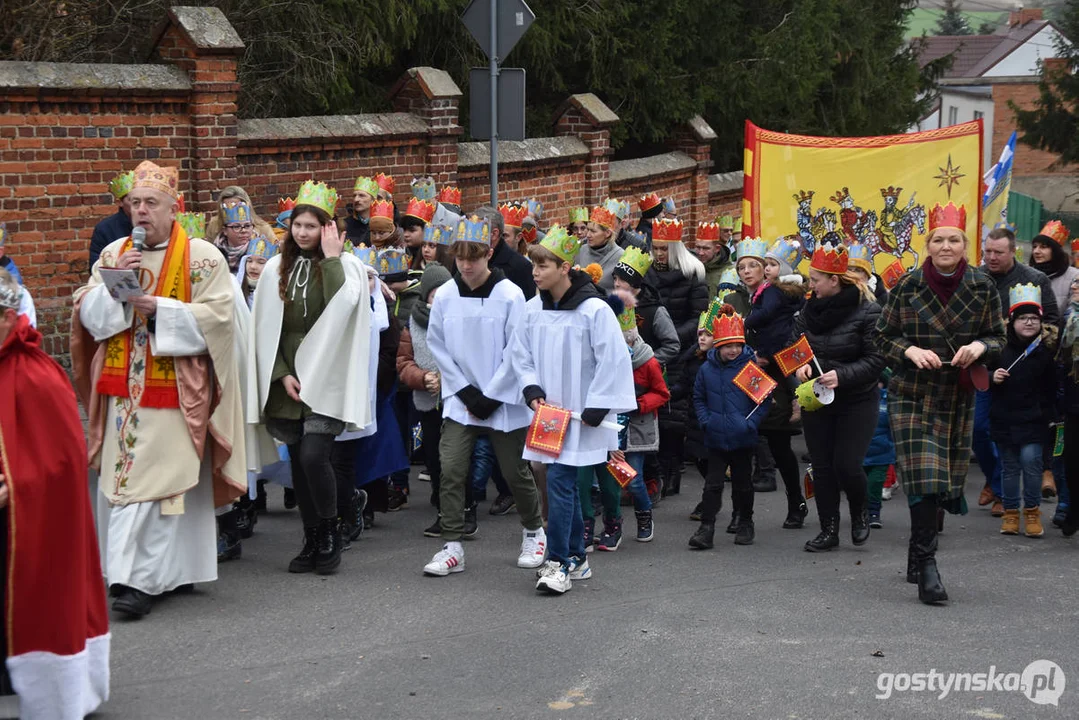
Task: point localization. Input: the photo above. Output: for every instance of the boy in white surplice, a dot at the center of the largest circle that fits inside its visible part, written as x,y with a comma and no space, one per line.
472,321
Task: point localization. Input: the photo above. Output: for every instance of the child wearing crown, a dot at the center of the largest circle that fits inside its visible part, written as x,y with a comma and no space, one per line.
471,322
308,376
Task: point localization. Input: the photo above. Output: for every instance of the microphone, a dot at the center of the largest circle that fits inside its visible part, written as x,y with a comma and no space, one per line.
138,238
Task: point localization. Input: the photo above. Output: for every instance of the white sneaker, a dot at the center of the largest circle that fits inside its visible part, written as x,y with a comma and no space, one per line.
450,559
533,548
579,570
553,578
886,493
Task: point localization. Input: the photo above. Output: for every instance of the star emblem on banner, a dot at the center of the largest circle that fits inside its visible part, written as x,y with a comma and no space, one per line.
949,176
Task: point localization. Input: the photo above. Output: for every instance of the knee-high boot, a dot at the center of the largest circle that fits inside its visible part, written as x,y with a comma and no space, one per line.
923,521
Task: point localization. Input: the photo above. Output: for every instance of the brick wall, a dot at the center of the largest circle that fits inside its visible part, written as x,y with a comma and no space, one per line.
1028,161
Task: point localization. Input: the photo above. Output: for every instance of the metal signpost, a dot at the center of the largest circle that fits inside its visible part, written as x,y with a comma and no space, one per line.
497,25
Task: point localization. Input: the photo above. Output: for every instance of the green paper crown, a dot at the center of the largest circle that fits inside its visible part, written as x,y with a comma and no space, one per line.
636,261
121,185
320,195
363,184
709,316
628,319
561,243
578,214
193,223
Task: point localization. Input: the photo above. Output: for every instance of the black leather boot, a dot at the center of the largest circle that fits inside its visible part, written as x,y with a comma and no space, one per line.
745,534
735,519
704,538
924,533
859,525
328,556
305,561
676,477
797,510
828,538
912,566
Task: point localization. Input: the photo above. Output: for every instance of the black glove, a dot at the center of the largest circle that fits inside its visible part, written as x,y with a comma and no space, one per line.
534,392
477,403
593,416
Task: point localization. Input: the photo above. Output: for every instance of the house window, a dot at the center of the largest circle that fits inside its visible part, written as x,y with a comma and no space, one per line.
978,114
953,115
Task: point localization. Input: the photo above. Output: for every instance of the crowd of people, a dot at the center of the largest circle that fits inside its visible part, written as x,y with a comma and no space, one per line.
329,350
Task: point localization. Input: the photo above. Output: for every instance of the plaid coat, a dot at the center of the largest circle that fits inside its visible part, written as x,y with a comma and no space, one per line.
931,415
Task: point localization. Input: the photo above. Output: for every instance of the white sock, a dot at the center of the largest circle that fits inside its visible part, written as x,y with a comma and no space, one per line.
455,547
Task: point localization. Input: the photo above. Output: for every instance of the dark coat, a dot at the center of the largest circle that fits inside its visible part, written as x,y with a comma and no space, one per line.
112,228
357,230
515,267
722,408
685,300
771,316
676,415
656,328
1020,275
1023,405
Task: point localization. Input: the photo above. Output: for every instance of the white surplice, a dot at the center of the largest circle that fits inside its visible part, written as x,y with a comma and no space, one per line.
380,320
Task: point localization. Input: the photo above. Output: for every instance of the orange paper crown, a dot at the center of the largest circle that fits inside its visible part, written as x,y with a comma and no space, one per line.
382,209
707,232
285,204
948,216
728,327
513,215
385,182
831,259
1056,230
450,195
648,202
667,231
603,216
419,209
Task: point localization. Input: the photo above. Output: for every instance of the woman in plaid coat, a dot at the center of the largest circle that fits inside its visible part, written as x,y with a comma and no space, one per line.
939,320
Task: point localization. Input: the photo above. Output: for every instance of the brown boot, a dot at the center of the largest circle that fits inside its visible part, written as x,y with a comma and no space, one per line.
1032,517
998,508
986,496
1010,524
1049,486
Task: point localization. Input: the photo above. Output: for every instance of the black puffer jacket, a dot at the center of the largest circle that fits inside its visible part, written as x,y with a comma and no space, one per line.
678,413
844,339
685,300
1023,405
771,312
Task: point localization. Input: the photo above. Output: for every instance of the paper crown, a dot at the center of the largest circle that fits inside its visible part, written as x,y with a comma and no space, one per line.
392,261
238,213
1057,231
365,185
667,230
513,215
381,209
120,185
708,317
155,177
262,246
729,278
578,214
728,327
627,318
620,208
561,243
420,209
423,188
367,255
535,207
648,202
707,232
724,222
948,216
529,233
890,192
737,225
751,247
669,206
786,250
193,223
320,195
1026,294
634,262
473,229
830,258
438,234
385,182
860,256
604,217
450,195
285,204
804,196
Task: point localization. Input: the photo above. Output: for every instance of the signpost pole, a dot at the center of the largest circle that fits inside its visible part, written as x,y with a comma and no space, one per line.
494,103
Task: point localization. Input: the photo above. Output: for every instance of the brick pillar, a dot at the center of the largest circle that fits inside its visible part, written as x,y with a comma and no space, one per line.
587,117
695,139
434,97
202,42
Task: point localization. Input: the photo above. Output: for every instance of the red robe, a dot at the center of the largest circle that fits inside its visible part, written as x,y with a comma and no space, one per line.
58,631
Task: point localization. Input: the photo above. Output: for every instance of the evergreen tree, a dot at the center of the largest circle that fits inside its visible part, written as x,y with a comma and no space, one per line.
952,20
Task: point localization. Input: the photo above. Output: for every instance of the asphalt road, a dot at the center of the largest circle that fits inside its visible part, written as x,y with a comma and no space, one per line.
765,631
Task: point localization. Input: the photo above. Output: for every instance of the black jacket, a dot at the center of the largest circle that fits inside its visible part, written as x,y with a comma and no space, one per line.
771,314
678,414
1020,275
357,230
113,227
515,267
1023,405
685,300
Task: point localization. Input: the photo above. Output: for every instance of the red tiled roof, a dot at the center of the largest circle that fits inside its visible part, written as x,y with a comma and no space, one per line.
969,51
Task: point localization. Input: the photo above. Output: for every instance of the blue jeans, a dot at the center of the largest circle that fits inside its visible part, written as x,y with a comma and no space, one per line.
636,487
1022,462
984,450
484,466
565,524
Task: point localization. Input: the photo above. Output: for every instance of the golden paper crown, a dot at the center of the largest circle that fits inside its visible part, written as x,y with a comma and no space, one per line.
948,216
382,209
155,177
318,194
603,216
450,195
708,232
890,191
513,215
420,209
385,182
831,259
649,201
728,327
667,230
1056,230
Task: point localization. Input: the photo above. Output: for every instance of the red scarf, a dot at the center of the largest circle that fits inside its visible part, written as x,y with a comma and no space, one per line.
943,286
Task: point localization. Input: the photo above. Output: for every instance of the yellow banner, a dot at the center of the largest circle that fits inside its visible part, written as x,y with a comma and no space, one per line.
878,191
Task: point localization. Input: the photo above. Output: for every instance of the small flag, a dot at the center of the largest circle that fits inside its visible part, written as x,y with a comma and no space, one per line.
794,357
621,471
417,437
1026,353
754,382
1058,445
547,432
892,274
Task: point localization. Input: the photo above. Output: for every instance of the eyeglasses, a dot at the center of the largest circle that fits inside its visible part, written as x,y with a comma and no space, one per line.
246,227
1029,319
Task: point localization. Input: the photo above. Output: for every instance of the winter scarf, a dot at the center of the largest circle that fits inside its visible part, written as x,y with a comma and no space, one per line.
943,286
822,314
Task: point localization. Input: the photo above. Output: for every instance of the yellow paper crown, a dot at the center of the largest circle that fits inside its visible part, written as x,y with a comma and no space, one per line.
634,261
562,244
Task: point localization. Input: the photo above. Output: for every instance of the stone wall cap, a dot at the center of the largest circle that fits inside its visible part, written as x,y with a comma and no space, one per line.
478,154
92,76
649,167
726,182
594,109
207,28
701,130
331,126
436,84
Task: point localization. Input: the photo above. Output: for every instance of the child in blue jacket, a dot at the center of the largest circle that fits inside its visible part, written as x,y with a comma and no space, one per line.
879,457
730,437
